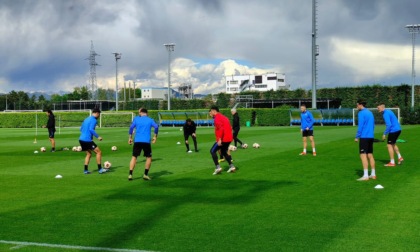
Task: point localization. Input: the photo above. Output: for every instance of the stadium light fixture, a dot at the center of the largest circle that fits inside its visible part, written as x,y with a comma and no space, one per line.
413,29
117,57
170,47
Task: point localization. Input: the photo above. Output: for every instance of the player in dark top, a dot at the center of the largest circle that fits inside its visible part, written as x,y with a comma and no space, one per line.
51,128
235,126
189,130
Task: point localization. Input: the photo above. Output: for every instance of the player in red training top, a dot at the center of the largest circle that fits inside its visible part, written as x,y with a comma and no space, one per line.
224,136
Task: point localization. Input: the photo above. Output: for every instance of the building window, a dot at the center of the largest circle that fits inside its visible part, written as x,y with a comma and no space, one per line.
258,79
271,78
260,86
280,80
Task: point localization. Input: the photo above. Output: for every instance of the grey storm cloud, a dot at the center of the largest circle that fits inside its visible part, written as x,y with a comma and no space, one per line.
45,43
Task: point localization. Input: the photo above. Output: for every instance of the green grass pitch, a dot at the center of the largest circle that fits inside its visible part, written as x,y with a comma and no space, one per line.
276,201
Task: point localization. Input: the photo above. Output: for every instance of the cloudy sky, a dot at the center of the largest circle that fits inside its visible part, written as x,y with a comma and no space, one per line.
44,44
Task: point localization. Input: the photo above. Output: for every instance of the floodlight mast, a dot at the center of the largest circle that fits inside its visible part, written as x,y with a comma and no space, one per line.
170,47
117,57
413,29
315,52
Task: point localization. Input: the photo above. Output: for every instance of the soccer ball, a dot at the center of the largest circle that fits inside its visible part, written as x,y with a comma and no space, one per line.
43,149
256,145
107,164
79,148
232,148
74,148
114,148
244,145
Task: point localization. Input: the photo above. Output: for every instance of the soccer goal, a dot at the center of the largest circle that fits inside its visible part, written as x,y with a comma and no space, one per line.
378,116
116,119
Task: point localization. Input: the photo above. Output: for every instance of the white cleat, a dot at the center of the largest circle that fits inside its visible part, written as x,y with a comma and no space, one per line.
231,170
217,171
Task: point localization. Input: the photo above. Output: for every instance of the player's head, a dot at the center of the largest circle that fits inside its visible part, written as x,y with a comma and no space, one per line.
361,104
49,112
143,111
96,112
213,110
233,111
303,107
381,107
188,121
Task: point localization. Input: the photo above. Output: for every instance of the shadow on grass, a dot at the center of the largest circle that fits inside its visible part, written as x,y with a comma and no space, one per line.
176,193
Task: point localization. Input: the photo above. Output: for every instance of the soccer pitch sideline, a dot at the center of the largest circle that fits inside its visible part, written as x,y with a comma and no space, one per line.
276,201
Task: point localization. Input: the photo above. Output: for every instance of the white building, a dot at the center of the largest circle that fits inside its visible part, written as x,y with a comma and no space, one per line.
265,82
156,93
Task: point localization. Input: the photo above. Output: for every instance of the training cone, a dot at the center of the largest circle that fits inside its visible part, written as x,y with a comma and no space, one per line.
58,176
379,187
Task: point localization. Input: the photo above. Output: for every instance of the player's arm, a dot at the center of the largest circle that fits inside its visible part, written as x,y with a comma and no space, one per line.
130,133
92,130
361,122
156,131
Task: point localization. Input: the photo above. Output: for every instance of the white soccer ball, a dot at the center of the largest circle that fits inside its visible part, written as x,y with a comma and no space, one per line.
244,145
232,148
114,148
36,152
107,164
256,145
43,149
79,148
74,148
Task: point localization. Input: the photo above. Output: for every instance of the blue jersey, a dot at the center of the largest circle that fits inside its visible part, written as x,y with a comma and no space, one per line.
143,124
307,120
88,129
366,124
391,122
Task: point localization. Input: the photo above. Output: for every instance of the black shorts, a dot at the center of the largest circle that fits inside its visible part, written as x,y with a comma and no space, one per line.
392,137
87,145
51,133
187,136
366,145
223,148
306,133
145,147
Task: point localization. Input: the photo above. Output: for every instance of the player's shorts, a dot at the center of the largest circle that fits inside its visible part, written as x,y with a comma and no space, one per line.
51,133
392,137
224,147
87,145
366,145
145,147
186,136
306,133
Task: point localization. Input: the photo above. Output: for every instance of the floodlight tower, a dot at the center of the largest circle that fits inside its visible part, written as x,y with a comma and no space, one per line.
413,29
170,47
315,52
92,77
117,57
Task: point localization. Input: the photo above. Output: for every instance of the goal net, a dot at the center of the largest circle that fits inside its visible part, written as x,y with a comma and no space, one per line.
378,116
116,119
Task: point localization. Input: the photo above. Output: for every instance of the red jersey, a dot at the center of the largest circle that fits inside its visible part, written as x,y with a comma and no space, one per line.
222,128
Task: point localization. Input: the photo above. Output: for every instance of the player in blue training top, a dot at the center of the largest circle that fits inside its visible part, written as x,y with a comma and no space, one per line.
86,140
306,128
364,135
393,130
142,125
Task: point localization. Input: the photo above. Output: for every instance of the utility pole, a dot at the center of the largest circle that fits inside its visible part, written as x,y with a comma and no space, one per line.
315,52
117,57
413,29
170,47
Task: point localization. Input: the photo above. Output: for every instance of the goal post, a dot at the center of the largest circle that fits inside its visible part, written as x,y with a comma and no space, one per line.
116,119
377,116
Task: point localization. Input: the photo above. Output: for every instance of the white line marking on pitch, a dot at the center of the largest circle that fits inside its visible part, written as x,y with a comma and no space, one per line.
24,244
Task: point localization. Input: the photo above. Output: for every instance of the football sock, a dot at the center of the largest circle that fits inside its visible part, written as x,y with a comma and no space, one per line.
86,167
372,172
131,172
146,171
313,150
188,147
217,166
399,155
99,166
392,161
53,149
365,173
304,150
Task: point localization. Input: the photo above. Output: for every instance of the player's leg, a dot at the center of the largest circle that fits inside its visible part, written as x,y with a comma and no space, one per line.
195,143
226,153
392,139
235,135
52,140
133,161
304,141
87,160
214,152
371,159
186,142
311,138
363,150
147,148
98,153
397,150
